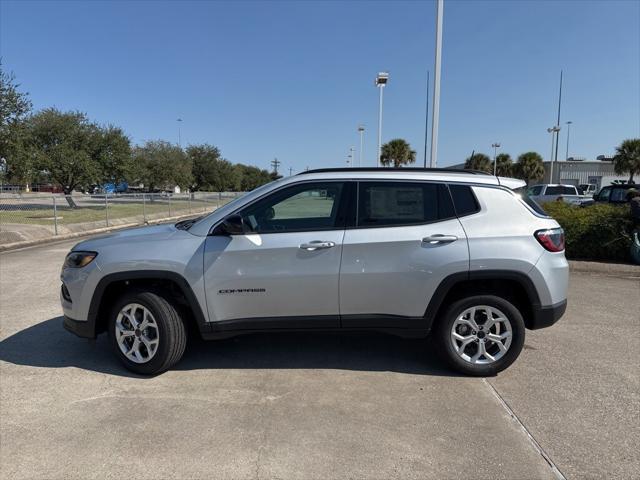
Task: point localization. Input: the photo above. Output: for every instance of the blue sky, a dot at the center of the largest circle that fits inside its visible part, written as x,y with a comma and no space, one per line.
294,79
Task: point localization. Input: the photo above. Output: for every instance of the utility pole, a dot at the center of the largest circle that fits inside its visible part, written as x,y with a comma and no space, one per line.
426,124
179,120
361,131
352,156
275,163
566,157
495,146
290,171
436,85
558,121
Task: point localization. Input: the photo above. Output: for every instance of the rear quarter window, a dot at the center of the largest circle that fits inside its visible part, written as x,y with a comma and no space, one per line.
530,202
464,200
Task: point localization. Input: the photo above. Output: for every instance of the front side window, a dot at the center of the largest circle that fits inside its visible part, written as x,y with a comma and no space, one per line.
604,194
306,207
535,190
382,204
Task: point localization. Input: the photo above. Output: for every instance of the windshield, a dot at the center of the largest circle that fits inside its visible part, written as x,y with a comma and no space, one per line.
560,190
531,203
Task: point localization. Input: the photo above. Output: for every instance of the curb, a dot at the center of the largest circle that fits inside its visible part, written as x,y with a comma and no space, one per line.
7,247
605,268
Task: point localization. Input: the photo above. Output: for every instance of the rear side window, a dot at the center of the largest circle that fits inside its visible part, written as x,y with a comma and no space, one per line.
560,190
382,204
535,190
533,205
464,200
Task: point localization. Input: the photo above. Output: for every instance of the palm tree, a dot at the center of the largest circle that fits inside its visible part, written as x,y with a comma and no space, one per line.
529,167
505,165
479,161
397,152
627,158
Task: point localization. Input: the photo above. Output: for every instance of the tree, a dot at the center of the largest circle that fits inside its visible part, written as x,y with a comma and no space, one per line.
397,152
529,167
163,166
15,106
113,152
505,165
250,177
479,161
66,147
210,170
627,158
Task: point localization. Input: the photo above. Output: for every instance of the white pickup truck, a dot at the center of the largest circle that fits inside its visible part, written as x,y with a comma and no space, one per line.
551,192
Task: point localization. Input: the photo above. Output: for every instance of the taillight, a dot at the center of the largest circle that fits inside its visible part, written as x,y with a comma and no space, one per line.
551,239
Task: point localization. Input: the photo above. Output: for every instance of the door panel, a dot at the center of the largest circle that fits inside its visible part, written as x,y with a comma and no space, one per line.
260,276
391,271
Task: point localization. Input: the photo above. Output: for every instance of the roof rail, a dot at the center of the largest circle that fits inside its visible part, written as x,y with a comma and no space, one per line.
394,169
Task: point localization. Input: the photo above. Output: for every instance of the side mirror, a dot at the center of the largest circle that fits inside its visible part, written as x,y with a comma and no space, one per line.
231,225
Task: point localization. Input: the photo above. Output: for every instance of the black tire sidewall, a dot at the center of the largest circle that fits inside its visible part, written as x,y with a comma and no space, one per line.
448,352
149,300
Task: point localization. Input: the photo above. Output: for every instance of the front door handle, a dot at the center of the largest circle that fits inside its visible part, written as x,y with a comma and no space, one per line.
316,245
439,239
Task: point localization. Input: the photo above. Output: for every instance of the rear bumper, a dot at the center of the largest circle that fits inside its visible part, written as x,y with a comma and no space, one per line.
83,329
547,316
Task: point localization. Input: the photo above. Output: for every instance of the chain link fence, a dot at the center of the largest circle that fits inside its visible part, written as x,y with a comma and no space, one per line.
29,216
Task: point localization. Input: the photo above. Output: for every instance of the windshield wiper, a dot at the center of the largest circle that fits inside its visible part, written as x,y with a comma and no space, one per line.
187,224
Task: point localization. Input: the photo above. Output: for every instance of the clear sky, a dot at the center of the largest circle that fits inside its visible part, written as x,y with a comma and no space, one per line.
294,79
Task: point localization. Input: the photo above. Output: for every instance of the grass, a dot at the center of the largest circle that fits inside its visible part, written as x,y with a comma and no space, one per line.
17,212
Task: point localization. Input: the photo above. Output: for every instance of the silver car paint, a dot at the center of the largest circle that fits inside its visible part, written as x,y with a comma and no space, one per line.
499,237
392,271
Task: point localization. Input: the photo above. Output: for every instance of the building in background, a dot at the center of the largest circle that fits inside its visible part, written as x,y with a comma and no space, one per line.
578,171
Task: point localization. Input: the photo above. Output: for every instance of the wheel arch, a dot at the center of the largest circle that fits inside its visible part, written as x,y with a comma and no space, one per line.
511,285
113,285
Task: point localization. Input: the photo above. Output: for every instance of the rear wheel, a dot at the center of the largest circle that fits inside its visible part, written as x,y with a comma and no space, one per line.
146,332
480,335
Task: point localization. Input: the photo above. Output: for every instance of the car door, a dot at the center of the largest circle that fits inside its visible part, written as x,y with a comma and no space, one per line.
284,272
406,240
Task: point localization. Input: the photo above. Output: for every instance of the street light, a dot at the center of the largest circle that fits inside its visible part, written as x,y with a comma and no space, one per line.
566,157
361,131
435,113
554,134
495,146
381,81
179,120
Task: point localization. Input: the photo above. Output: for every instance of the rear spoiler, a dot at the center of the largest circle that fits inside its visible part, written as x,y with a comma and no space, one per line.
511,183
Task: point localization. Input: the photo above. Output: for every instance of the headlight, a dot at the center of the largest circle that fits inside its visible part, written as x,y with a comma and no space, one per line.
79,259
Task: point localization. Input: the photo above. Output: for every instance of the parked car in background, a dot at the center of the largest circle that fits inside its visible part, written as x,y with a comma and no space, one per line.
616,193
551,192
588,189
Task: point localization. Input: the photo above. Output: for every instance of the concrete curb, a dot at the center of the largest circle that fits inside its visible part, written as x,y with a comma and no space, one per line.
58,238
605,268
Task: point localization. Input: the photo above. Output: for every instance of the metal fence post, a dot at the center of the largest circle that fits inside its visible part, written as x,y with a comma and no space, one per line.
106,208
189,200
144,209
55,216
169,204
219,200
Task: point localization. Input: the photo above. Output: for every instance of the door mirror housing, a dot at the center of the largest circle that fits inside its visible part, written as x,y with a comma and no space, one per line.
231,225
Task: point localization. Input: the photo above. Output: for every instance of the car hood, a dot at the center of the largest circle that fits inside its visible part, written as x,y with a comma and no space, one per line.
130,235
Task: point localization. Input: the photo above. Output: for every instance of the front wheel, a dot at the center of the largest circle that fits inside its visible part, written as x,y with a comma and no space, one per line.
480,335
146,332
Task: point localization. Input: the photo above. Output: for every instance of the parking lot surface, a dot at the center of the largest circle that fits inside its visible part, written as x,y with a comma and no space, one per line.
316,406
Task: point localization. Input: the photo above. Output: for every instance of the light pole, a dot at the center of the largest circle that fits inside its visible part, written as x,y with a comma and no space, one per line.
495,146
435,119
352,155
554,131
361,131
179,120
566,157
381,81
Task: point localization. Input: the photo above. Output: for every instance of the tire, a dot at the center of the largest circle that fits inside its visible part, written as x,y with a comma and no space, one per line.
161,341
496,358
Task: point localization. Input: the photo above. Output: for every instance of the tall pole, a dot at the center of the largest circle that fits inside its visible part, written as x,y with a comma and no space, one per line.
495,155
361,130
552,132
426,124
566,157
436,85
179,120
381,87
558,121
352,155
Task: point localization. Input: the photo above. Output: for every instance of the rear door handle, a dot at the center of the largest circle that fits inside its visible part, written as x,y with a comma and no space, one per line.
438,239
317,245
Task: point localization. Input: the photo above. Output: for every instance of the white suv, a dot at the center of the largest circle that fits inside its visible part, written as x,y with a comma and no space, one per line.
403,251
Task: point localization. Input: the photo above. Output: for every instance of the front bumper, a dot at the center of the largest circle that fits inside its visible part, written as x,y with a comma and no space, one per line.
547,316
83,329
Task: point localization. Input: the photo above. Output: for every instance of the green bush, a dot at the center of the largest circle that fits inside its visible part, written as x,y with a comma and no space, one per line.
596,232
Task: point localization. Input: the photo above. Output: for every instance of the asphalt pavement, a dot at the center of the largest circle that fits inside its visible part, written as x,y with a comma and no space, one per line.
317,406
